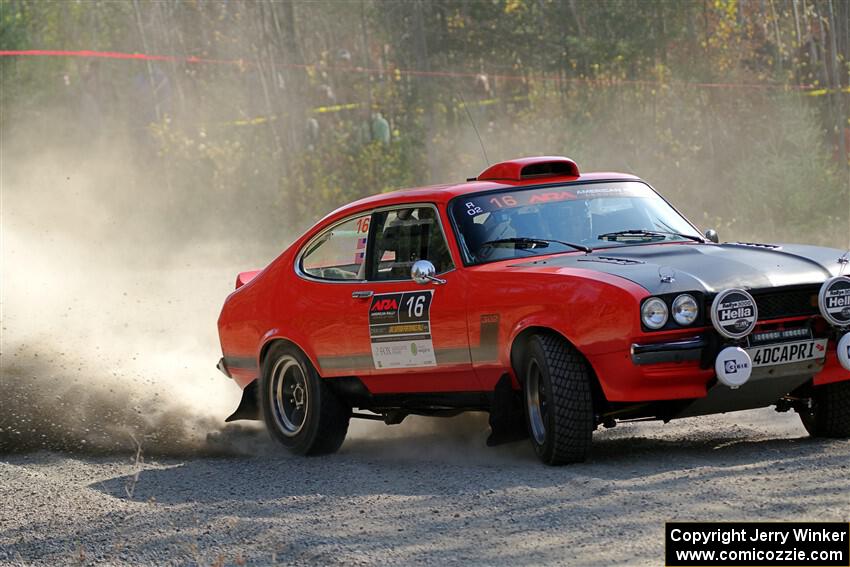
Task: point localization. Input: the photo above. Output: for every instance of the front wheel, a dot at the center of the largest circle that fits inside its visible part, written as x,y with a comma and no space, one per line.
299,408
829,413
558,400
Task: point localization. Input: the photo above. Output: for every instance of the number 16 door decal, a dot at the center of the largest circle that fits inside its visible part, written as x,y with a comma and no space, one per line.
400,330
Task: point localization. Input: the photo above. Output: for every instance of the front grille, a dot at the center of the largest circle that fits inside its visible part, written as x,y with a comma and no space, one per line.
787,303
778,303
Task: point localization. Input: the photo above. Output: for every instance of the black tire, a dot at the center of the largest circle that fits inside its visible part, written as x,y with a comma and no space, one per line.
829,415
557,396
316,426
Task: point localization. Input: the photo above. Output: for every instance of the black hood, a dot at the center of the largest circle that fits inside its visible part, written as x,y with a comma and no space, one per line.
708,267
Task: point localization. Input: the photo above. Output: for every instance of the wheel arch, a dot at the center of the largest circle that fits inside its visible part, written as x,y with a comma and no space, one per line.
277,340
519,347
249,405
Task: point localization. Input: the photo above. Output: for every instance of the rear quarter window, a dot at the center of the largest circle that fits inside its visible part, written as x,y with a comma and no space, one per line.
339,253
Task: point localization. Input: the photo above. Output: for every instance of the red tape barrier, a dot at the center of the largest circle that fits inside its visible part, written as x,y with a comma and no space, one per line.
395,71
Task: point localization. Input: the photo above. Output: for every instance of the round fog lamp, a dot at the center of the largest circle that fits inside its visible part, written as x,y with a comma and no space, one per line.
844,351
654,313
733,367
685,309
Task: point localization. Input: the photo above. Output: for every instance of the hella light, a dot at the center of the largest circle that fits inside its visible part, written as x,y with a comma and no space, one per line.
685,309
654,313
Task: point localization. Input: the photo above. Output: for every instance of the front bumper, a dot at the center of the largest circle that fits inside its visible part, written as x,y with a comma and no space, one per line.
683,350
682,367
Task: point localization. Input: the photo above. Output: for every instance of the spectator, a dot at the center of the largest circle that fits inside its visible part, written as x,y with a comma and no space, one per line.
380,128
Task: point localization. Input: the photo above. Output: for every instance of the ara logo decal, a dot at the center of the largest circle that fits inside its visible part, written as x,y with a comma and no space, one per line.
384,308
385,305
550,196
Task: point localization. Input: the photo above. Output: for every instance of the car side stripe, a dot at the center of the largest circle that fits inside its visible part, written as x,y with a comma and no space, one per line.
240,362
354,361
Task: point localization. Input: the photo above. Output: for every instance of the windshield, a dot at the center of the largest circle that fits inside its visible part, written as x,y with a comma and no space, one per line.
519,223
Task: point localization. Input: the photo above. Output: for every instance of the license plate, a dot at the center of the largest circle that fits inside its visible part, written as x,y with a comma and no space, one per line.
786,353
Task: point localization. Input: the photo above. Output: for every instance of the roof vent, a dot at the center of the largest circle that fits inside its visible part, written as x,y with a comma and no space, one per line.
530,168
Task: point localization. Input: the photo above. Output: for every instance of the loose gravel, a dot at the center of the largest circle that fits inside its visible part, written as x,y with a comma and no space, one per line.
420,493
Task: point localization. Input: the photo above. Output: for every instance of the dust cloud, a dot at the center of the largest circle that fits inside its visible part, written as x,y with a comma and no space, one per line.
109,310
110,300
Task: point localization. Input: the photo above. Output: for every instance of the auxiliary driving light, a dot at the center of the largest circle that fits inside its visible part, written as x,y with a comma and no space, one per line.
734,313
834,301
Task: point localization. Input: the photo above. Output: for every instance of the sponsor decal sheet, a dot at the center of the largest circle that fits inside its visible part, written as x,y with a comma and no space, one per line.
400,330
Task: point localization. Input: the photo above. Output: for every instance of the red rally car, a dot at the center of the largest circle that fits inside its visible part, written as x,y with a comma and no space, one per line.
556,301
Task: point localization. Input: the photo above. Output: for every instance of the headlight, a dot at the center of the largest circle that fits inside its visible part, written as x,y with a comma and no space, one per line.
685,309
654,313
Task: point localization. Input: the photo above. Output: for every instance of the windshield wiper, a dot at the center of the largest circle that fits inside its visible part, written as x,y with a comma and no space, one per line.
524,242
650,233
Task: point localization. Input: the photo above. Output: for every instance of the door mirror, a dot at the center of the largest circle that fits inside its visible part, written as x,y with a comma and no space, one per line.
711,234
423,272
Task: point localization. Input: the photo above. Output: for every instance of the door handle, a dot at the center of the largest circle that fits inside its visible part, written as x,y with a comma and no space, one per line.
362,294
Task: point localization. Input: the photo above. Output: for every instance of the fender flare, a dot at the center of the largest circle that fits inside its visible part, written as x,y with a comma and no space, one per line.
532,325
273,336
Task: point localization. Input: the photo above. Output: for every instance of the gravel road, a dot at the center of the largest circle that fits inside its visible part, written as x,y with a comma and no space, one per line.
425,492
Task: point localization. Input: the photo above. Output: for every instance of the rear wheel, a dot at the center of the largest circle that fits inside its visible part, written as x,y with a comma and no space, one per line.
558,400
299,408
829,414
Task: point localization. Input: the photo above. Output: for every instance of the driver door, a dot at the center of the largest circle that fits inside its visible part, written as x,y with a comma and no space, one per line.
417,334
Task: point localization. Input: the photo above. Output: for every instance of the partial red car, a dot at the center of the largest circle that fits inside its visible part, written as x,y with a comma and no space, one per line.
556,301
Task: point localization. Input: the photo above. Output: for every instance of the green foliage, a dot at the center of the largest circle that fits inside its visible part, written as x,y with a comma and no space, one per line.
268,145
786,176
334,173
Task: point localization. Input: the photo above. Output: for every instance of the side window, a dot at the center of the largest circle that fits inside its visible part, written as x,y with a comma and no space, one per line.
402,237
339,253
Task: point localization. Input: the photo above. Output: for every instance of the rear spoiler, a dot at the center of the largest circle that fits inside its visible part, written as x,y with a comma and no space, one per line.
245,277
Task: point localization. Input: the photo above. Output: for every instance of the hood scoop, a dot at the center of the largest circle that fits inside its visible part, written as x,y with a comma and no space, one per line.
611,260
758,245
